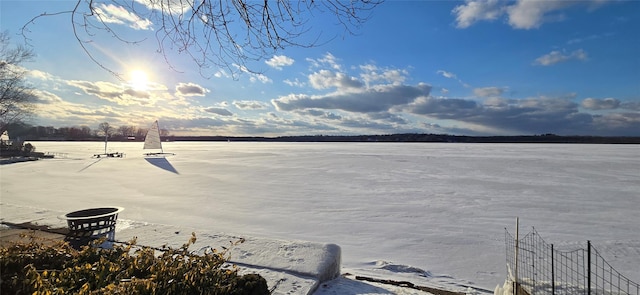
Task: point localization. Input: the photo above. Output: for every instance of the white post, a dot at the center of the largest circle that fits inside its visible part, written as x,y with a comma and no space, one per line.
515,289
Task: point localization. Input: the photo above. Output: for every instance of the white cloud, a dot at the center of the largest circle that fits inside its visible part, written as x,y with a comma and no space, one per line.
218,111
451,75
221,73
190,89
533,115
40,75
327,60
631,105
488,91
496,102
600,104
371,74
521,14
530,14
110,13
327,79
617,123
122,95
278,61
380,98
555,57
476,10
589,38
259,77
250,105
253,77
447,74
175,7
444,108
295,83
46,97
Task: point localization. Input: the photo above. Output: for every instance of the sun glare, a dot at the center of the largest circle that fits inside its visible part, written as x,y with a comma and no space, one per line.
138,80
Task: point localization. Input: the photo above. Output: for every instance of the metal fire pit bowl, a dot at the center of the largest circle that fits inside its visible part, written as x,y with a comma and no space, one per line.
90,224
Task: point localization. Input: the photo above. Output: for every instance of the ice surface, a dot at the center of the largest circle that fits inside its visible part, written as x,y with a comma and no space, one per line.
440,208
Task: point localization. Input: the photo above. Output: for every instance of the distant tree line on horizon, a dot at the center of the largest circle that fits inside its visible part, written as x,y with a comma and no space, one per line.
422,137
22,132
26,132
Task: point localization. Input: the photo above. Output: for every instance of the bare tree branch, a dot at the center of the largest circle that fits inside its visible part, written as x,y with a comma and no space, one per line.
16,97
216,34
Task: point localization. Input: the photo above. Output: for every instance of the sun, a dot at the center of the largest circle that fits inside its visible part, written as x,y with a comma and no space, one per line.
138,80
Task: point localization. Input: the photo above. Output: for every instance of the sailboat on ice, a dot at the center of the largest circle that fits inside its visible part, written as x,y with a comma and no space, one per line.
152,141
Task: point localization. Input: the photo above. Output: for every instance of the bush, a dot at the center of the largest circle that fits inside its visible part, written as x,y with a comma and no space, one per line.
16,149
28,148
36,268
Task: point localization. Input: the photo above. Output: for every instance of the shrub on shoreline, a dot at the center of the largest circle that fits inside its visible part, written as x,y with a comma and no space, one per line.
38,268
17,149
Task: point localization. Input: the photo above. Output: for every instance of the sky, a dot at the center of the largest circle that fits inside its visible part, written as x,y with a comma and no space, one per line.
456,67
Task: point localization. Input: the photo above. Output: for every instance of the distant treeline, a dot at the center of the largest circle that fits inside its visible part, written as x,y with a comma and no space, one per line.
26,132
417,137
128,133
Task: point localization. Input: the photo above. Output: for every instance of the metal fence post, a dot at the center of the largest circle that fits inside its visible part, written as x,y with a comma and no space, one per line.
553,274
588,267
515,289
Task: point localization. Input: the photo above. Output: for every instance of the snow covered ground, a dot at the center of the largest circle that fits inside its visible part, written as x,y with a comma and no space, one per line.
430,213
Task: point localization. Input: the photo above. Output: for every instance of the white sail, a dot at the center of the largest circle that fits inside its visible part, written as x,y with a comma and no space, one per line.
152,140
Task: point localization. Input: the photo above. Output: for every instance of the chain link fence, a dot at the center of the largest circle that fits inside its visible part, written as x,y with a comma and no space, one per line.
536,268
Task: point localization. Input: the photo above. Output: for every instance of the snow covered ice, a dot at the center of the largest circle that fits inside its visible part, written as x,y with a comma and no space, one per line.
429,213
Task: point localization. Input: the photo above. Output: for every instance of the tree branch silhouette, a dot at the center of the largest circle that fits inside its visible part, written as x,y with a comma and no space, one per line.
222,34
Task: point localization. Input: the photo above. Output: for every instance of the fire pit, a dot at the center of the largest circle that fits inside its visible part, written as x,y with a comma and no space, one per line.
91,224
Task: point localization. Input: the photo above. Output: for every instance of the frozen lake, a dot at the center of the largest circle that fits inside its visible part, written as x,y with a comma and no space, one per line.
440,207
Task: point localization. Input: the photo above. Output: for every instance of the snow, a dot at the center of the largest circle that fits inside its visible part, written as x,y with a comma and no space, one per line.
433,214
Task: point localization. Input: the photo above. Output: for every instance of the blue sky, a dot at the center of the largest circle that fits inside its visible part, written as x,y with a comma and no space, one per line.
457,67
